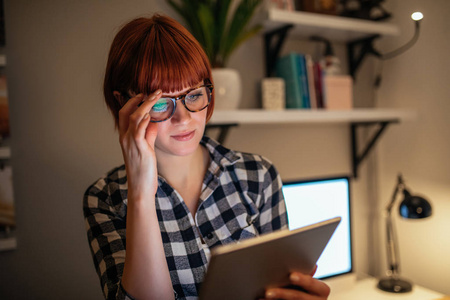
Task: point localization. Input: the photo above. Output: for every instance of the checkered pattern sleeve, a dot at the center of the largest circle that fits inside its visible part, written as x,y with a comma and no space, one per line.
262,184
105,222
273,214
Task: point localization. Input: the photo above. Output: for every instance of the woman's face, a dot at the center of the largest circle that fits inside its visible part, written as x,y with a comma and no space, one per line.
181,134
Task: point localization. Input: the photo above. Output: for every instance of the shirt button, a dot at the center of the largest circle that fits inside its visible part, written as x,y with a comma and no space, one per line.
209,236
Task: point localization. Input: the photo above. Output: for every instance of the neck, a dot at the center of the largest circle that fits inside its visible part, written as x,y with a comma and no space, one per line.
182,169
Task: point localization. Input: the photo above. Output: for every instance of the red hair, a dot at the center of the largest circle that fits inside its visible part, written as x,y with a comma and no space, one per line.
154,53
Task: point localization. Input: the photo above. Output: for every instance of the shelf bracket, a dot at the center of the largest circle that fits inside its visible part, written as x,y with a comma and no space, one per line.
272,51
224,130
358,158
365,47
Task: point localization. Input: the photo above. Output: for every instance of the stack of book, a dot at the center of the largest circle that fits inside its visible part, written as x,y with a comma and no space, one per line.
308,87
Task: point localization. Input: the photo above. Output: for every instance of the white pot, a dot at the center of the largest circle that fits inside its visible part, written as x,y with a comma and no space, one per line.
227,88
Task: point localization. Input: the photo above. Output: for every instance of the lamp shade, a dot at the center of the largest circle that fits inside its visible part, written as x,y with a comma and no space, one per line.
414,207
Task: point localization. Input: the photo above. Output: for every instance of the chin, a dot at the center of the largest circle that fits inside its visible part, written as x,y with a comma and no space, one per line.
180,148
185,149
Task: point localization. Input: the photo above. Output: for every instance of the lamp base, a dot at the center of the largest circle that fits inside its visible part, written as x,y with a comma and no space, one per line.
394,285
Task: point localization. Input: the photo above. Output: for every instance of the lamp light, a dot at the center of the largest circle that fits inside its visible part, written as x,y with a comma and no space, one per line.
417,16
411,207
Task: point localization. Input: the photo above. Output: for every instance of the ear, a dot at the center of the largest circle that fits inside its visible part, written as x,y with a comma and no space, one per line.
118,96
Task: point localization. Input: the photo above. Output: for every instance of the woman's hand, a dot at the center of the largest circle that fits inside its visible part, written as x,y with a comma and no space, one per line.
314,289
137,137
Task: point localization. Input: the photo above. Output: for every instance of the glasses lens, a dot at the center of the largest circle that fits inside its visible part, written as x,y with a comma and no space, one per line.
198,99
162,109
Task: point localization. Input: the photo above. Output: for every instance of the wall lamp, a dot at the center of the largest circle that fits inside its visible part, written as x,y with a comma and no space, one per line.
366,47
411,207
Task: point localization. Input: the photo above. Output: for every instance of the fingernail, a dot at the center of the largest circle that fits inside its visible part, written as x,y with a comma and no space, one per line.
295,277
270,294
157,92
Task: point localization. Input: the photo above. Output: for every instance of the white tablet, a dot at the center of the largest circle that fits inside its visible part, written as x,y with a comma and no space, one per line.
244,270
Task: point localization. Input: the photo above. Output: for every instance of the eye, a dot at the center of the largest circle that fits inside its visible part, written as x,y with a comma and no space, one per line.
161,106
193,96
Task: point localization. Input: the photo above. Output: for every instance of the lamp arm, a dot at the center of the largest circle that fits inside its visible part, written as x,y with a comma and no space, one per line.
394,194
392,251
406,46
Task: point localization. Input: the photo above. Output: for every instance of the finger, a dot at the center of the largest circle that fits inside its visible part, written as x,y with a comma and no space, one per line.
279,293
147,103
310,284
124,113
143,108
151,133
142,127
314,271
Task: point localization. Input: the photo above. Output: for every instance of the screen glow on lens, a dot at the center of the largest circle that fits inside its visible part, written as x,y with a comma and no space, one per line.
161,106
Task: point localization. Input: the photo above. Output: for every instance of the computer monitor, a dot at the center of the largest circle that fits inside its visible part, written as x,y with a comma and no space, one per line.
311,201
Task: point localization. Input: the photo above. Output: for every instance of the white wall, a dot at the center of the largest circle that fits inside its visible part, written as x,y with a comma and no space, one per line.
62,138
419,80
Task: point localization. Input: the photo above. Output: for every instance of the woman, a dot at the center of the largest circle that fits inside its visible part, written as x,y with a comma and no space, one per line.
178,193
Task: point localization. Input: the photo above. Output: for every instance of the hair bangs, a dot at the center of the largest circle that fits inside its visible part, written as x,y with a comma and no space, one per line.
172,64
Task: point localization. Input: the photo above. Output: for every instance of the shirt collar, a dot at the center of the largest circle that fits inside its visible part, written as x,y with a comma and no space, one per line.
219,154
221,157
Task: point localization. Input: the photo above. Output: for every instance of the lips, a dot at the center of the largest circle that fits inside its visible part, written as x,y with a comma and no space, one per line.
184,136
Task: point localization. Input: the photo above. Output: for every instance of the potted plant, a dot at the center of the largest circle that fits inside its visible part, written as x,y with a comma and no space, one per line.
220,26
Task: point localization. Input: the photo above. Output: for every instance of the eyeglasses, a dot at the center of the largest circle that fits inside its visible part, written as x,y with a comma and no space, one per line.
195,99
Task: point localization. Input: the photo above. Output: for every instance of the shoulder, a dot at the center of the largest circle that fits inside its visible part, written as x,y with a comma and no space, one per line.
247,166
225,156
253,162
112,186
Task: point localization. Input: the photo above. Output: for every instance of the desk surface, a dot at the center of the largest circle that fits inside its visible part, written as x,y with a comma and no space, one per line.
367,289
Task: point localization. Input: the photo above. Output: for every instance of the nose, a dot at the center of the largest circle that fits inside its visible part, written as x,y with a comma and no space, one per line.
181,114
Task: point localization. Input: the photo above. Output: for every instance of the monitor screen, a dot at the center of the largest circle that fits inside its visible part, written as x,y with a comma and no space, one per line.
312,201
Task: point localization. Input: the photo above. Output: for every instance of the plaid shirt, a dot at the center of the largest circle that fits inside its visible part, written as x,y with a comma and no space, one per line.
241,198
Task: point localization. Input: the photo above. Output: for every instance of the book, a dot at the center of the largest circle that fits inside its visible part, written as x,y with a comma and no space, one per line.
311,83
292,69
303,77
4,108
318,85
287,68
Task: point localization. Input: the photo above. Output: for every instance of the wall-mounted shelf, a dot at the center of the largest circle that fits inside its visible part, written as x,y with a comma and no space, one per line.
299,116
356,118
354,32
334,28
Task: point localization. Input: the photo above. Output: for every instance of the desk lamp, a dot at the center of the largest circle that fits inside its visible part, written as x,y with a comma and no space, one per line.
411,207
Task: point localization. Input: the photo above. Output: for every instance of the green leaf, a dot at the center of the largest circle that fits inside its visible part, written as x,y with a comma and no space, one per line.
207,22
245,36
221,10
237,32
218,29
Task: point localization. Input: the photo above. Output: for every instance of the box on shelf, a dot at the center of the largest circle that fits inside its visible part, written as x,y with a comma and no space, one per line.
273,93
338,91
